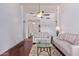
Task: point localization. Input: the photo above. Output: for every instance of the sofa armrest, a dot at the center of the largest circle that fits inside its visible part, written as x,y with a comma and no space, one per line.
55,37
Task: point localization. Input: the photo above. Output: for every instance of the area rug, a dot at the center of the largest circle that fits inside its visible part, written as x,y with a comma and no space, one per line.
54,52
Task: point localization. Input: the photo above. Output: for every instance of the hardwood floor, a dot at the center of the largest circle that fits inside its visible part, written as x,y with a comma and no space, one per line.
27,46
21,49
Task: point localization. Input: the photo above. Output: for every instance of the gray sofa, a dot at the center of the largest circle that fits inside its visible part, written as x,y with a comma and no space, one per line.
68,43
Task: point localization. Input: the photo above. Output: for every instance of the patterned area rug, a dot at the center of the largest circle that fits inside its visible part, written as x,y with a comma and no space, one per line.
54,52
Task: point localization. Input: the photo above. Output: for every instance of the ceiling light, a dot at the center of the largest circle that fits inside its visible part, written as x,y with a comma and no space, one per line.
34,23
40,13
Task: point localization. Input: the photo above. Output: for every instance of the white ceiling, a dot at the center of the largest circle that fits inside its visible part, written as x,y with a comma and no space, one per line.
34,7
42,4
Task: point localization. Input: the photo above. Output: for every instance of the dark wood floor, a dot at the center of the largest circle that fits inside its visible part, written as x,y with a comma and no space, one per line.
27,46
21,49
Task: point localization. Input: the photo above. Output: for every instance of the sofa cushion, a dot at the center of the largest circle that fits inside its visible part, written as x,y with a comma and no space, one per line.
68,42
66,36
76,42
66,47
69,37
61,36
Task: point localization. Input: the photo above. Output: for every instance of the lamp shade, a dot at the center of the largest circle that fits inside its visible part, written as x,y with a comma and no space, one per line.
57,28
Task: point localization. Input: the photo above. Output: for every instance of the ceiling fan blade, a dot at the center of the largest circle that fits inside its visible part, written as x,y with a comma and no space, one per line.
46,14
32,13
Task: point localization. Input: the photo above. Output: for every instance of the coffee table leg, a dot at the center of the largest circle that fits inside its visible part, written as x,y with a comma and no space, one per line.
46,49
50,51
43,49
40,49
37,52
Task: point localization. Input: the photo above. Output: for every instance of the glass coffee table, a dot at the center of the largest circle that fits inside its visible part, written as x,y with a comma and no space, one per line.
44,47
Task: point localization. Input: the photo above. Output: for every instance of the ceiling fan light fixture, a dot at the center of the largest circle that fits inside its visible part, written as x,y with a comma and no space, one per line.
34,23
40,14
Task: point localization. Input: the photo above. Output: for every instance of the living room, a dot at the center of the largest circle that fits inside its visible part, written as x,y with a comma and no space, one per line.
62,17
55,23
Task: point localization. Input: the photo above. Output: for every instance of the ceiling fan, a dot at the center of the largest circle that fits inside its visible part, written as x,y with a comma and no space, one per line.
40,12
